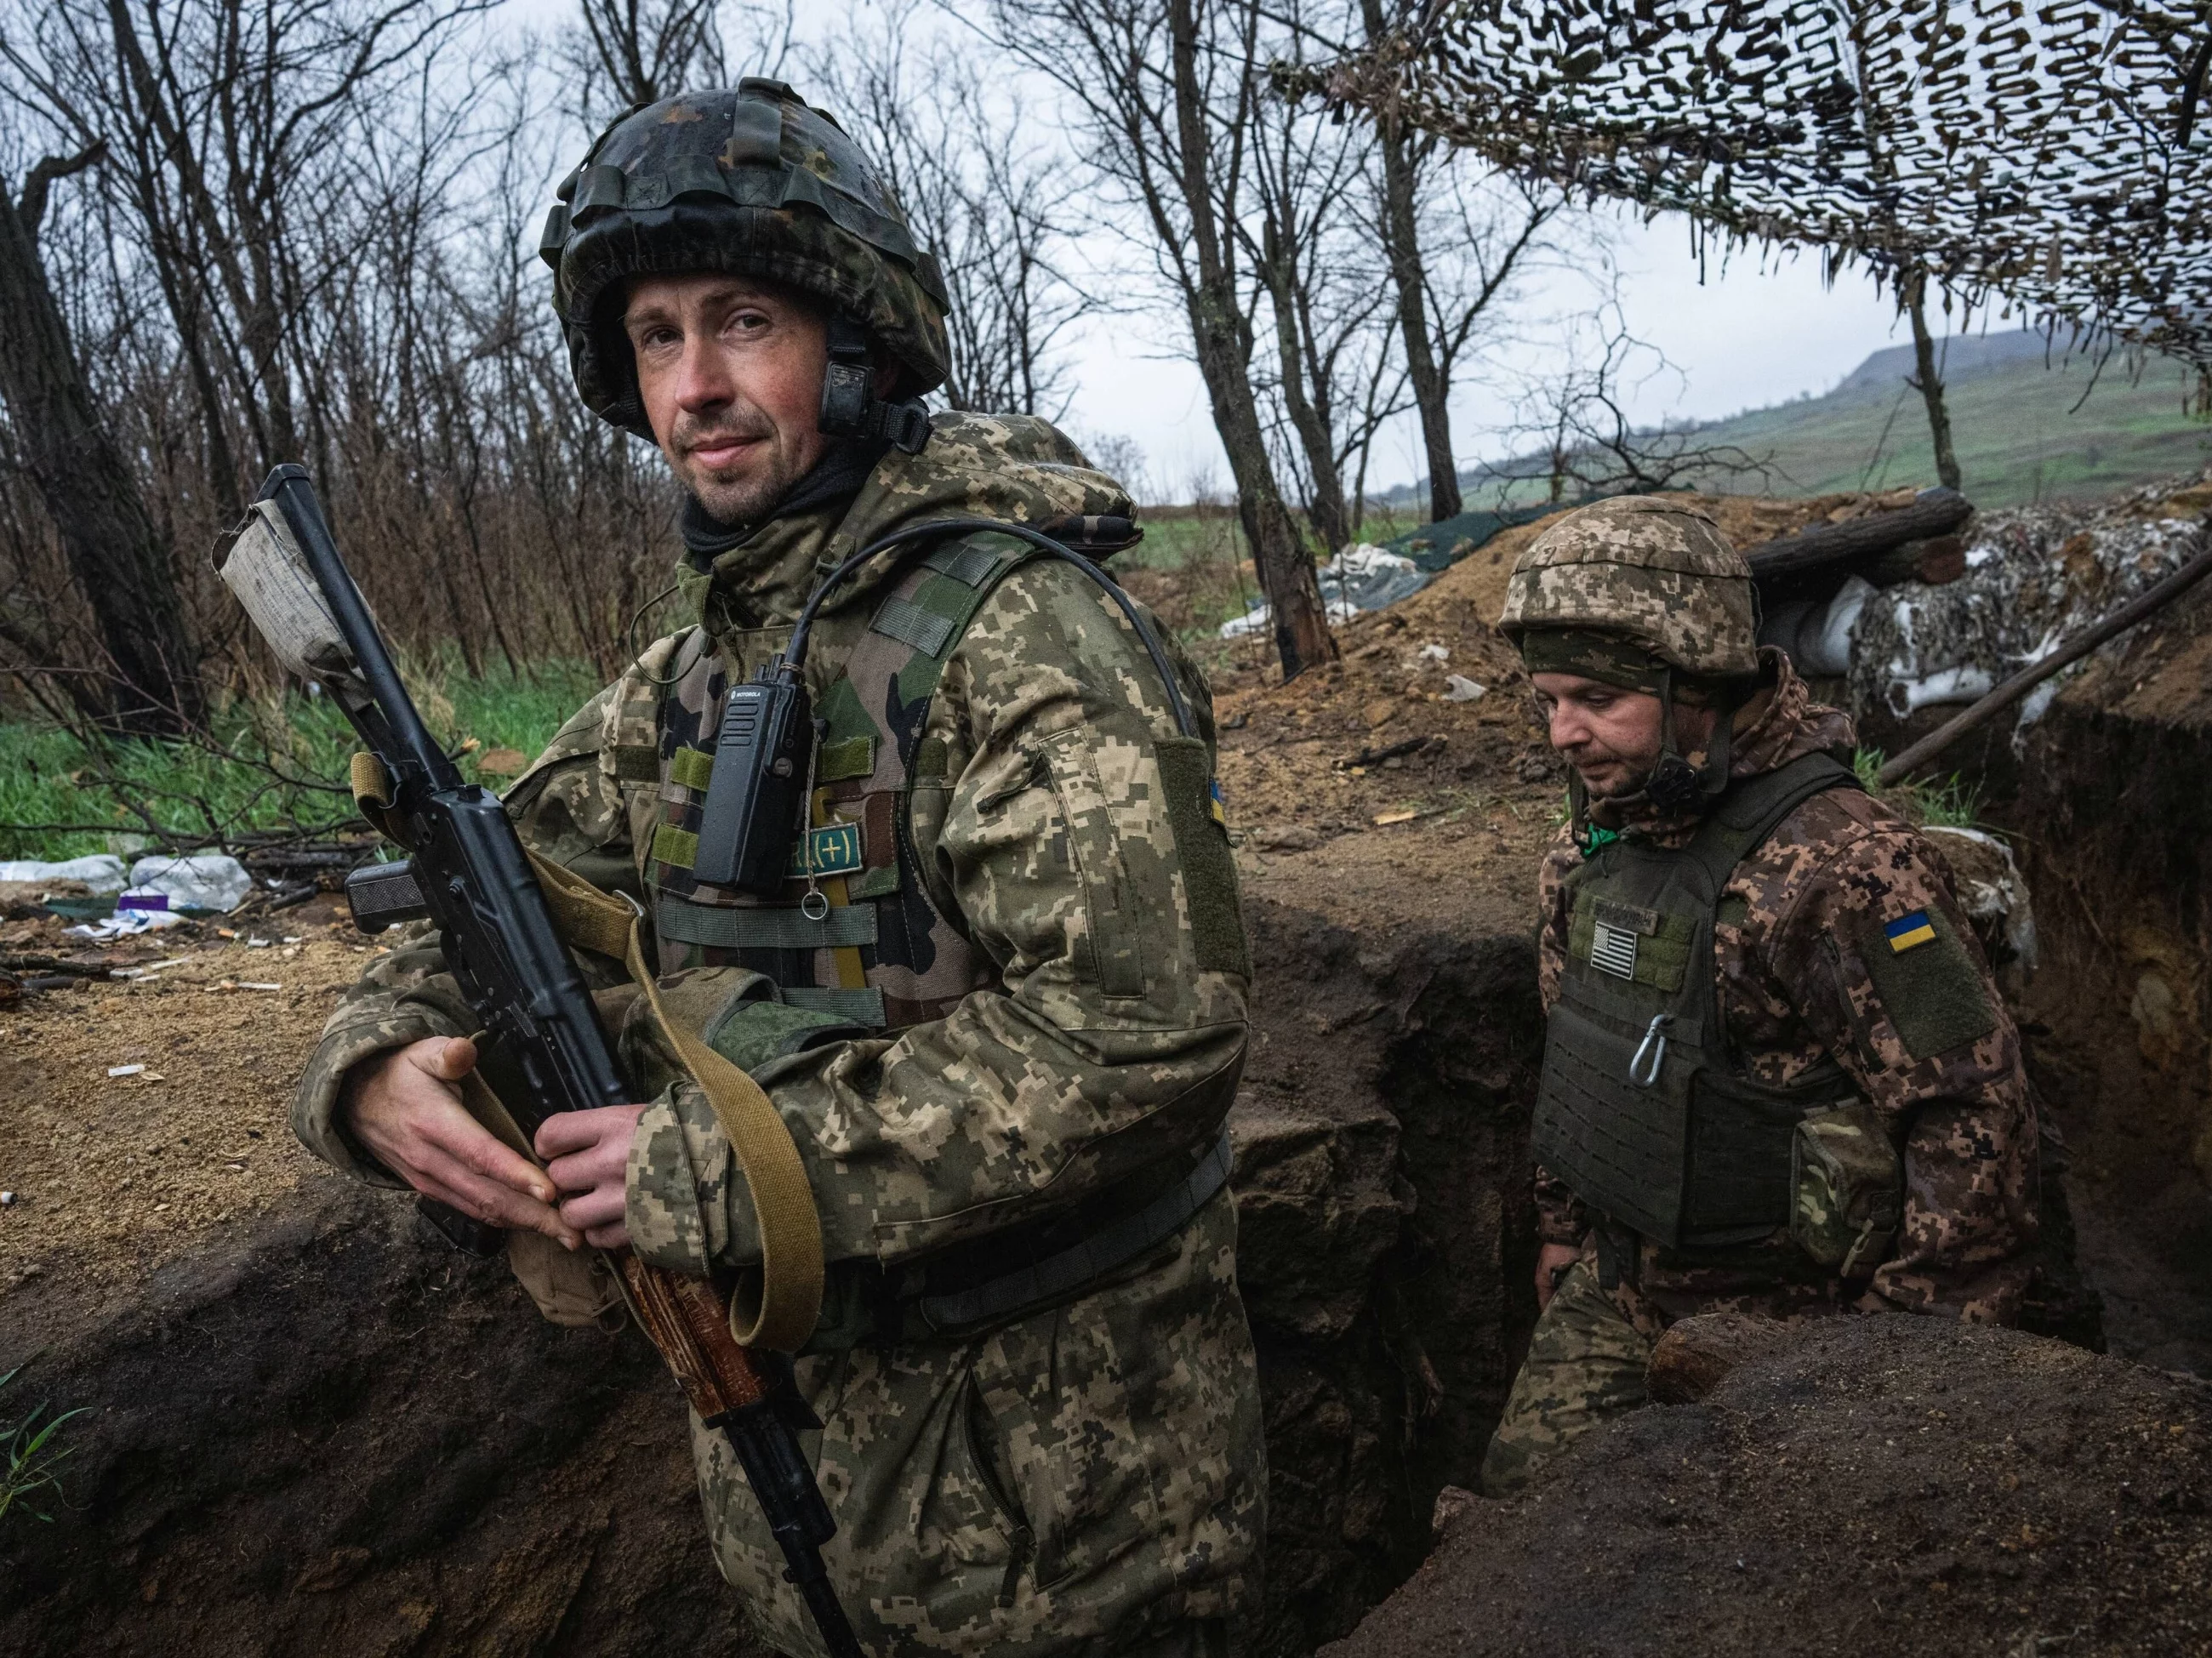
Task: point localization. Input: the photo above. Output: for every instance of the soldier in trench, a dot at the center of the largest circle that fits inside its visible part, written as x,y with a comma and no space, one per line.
1778,1077
1003,1024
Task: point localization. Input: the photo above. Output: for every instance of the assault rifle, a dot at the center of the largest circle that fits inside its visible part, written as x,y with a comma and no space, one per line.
543,1044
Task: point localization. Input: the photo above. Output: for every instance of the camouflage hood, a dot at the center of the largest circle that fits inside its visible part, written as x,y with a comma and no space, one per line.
1779,724
1011,467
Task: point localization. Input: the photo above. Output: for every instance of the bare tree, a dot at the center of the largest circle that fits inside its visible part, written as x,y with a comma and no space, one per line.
985,185
625,53
122,568
1585,438
1163,98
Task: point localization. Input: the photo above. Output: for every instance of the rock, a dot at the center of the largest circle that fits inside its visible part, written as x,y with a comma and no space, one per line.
1697,1354
1284,837
1452,1502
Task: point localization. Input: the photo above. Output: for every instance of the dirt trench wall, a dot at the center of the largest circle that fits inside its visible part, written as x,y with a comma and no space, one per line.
342,1437
2112,801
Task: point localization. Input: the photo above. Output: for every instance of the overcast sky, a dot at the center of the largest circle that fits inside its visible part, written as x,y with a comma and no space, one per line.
1749,335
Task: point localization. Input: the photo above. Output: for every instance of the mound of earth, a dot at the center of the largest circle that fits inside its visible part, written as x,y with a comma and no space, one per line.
1877,1485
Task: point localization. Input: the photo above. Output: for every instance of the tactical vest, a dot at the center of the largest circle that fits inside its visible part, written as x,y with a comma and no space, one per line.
1642,1110
881,956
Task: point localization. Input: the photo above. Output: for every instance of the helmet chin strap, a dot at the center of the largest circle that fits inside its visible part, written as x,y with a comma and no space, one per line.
850,407
1675,787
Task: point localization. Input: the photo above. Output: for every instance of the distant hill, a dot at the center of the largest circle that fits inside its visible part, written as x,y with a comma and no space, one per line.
2014,423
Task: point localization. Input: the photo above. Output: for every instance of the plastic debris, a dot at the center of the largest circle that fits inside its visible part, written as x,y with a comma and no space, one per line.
125,1070
212,883
250,984
1360,578
125,923
1433,652
102,871
1458,687
7,1200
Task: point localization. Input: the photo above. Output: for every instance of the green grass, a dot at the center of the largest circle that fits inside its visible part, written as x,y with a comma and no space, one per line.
28,1456
1950,803
2026,429
263,766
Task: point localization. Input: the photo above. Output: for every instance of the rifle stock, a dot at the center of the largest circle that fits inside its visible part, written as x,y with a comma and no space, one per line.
470,874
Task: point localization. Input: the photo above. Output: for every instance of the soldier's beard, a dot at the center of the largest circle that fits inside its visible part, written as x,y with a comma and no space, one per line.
761,475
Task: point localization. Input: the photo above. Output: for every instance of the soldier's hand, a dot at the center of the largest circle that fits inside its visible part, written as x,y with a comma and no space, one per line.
1552,1263
405,1110
587,1154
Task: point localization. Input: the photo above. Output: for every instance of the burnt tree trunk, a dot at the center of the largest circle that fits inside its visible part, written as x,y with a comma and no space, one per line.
113,552
1402,242
1930,384
1222,336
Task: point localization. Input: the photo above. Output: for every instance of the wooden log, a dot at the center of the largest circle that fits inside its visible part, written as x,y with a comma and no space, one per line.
1857,540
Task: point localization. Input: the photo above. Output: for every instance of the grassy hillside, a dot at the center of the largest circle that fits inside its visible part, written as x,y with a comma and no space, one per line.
2019,434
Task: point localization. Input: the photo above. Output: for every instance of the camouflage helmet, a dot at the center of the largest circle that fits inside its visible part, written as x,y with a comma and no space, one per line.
751,181
1651,569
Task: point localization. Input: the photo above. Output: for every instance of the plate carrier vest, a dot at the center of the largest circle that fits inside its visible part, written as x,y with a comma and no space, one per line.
1641,1110
883,956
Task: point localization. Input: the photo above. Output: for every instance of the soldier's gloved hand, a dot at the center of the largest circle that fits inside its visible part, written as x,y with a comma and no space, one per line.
587,1154
1553,1261
404,1109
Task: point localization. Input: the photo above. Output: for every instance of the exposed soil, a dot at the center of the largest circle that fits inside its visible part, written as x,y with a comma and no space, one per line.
1880,1485
120,1174
316,1430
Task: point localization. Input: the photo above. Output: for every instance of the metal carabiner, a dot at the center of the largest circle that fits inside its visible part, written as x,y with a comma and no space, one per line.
1653,1049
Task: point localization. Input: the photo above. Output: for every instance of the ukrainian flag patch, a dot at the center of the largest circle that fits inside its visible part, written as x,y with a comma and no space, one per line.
1908,931
1217,804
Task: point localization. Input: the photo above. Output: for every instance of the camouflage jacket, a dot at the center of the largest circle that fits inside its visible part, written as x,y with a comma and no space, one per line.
1795,945
1028,1093
1075,1477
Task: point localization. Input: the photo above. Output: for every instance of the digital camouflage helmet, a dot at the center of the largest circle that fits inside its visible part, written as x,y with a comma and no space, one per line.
1653,572
754,182
1644,593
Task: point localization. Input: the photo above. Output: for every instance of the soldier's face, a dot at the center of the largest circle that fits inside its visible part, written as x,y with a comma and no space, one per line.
1610,736
730,372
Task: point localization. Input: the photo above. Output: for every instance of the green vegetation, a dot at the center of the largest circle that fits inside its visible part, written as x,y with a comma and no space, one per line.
2029,425
29,1454
266,765
1951,802
2019,436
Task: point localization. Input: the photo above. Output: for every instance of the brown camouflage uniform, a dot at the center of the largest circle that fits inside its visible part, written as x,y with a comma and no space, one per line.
1796,941
1086,1478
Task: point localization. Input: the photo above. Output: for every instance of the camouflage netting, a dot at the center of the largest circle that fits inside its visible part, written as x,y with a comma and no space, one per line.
2044,155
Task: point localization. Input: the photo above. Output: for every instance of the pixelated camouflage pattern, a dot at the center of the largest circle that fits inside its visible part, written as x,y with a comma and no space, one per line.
1652,569
1587,1359
1127,1416
749,180
1798,922
1064,1511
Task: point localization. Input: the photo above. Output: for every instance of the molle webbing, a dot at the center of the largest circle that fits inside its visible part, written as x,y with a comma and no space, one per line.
1641,1109
882,956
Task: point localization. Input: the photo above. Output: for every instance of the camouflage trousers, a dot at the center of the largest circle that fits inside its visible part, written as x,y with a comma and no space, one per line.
1586,1364
1084,1482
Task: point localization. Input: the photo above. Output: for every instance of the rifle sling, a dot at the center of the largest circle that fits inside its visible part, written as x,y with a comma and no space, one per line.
789,1302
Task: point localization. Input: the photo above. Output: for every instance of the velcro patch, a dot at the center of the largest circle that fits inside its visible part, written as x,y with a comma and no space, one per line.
1625,918
837,850
1612,950
1931,989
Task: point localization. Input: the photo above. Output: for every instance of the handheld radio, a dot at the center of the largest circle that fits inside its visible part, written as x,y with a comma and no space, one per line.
763,753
